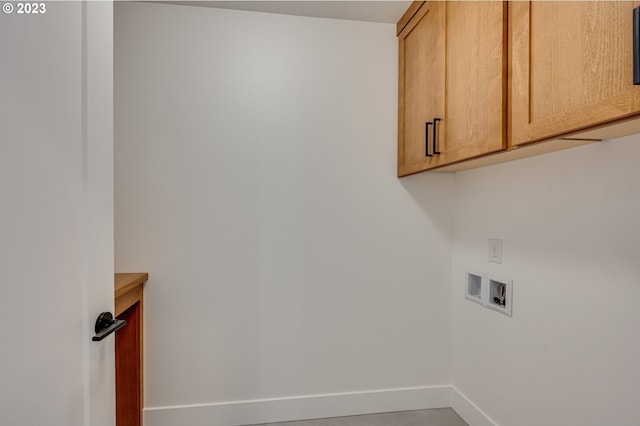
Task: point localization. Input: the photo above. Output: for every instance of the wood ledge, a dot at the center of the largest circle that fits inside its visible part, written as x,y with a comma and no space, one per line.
128,290
124,283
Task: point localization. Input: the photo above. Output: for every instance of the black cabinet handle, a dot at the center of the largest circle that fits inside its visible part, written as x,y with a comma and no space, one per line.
426,138
636,46
105,325
435,135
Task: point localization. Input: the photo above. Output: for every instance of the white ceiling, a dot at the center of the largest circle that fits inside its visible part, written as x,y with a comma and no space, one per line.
359,10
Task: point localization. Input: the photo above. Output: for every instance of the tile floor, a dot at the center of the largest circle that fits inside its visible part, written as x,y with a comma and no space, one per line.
435,417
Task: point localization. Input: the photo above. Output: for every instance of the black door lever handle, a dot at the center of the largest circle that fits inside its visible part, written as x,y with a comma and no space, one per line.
105,325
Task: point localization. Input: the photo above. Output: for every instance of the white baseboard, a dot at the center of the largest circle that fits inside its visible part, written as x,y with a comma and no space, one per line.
299,408
469,412
258,411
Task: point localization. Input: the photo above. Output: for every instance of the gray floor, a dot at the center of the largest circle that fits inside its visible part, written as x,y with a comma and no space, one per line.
436,417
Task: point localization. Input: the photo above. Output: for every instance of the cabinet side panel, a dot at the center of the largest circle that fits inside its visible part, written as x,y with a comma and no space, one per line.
128,369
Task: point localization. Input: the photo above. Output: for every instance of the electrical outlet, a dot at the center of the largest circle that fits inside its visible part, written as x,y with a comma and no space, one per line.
495,251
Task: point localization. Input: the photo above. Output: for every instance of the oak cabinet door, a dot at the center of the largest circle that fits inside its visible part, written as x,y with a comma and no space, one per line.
571,67
453,68
421,85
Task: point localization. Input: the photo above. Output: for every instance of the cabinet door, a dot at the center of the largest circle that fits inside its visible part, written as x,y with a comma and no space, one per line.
474,122
453,67
421,85
572,67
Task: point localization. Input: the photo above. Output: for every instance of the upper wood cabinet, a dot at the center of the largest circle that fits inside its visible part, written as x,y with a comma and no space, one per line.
568,68
571,67
452,83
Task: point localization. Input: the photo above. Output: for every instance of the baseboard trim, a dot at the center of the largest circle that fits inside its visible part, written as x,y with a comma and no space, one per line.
469,411
237,413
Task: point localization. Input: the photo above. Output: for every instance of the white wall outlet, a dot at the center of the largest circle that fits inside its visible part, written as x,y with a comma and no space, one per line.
476,287
500,297
495,251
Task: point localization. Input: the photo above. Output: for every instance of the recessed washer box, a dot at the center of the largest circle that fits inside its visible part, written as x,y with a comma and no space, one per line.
476,288
500,294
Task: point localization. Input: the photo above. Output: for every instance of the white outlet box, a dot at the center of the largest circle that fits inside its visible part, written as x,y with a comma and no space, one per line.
495,251
476,287
500,295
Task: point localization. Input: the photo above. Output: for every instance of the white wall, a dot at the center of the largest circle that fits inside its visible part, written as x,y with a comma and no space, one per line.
255,181
571,232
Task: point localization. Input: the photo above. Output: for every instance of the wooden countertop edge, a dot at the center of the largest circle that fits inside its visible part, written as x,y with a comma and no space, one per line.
125,282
